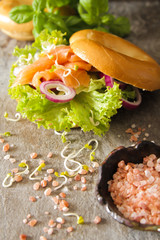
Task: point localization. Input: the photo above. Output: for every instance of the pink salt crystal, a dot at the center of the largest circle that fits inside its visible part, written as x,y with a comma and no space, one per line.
121,164
83,172
50,170
50,231
48,192
77,177
151,180
33,155
157,167
36,186
45,230
55,183
50,154
150,164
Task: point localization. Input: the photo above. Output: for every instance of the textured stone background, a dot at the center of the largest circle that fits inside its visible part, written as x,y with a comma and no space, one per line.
14,203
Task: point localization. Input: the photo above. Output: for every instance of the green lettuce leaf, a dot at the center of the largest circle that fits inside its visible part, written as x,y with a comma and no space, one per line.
46,38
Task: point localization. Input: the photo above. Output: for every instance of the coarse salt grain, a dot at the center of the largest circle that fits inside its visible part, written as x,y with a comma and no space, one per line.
42,238
62,195
33,155
48,192
84,188
56,200
43,183
77,177
32,199
7,157
23,237
14,170
50,231
97,220
18,178
49,155
95,165
6,147
49,178
83,180
146,134
12,160
50,170
36,186
28,216
59,226
32,222
70,229
83,172
55,183
1,140
25,221
51,223
45,230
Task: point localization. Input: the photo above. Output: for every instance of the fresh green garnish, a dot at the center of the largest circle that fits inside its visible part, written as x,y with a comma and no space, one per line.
70,16
85,167
42,165
63,137
23,165
80,219
129,93
9,178
6,134
17,117
39,168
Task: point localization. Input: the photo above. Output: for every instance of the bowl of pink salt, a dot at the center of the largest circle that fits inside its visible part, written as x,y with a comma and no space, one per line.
129,185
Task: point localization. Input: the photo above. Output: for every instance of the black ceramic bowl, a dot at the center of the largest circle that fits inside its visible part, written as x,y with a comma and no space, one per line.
134,154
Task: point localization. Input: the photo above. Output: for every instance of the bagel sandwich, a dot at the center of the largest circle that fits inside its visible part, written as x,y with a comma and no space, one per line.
83,84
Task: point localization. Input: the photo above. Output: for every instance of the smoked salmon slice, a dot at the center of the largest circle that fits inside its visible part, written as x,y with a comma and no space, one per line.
60,63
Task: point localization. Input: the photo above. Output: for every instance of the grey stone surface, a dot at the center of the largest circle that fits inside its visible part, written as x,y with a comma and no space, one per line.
26,138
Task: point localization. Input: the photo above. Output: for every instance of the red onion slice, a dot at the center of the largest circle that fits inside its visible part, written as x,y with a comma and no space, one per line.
69,93
108,80
132,105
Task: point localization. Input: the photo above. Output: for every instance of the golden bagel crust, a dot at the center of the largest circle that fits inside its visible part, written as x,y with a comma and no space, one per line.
18,31
117,58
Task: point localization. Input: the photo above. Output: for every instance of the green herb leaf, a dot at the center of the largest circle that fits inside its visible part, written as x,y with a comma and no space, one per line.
120,26
6,134
39,20
91,10
57,3
39,5
21,14
57,22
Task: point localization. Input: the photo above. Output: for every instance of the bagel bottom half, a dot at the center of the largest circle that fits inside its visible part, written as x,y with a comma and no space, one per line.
117,58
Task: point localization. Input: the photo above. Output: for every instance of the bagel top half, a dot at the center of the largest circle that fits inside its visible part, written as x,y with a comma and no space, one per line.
117,58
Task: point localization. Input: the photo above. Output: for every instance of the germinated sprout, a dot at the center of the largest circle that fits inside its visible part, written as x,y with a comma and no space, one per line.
80,219
92,119
63,183
23,165
17,117
75,154
79,168
9,175
39,168
95,148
